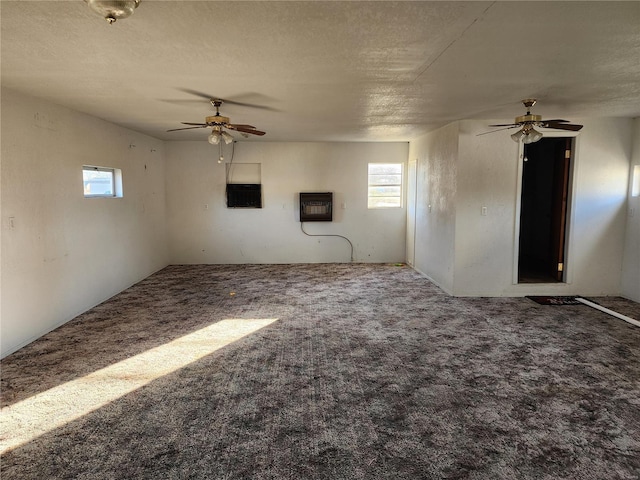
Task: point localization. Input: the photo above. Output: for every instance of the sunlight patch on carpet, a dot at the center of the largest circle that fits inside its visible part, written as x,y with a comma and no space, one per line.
41,413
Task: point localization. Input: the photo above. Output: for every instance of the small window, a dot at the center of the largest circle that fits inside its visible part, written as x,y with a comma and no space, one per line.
385,185
101,181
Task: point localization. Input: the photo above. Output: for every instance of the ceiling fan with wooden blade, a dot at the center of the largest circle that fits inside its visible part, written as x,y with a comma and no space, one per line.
218,123
528,122
561,125
208,97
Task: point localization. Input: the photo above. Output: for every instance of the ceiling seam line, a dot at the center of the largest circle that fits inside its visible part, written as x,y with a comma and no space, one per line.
427,67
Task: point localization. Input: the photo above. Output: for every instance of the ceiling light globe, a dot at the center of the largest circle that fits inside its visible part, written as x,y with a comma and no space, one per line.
536,135
517,136
214,138
532,136
113,10
226,137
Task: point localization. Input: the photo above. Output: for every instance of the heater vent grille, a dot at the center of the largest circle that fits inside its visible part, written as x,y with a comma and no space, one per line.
316,207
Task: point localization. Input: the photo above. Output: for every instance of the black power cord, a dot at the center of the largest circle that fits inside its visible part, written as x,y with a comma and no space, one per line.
229,165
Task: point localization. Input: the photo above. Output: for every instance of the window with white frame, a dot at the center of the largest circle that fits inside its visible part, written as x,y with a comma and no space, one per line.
101,181
385,185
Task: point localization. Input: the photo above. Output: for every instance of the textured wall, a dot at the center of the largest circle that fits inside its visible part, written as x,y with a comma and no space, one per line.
472,254
63,253
596,222
601,181
203,230
435,210
488,177
631,262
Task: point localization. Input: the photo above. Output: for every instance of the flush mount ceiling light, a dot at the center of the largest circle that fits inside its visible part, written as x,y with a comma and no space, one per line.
113,10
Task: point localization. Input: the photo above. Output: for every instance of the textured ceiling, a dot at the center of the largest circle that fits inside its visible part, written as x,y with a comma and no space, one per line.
326,71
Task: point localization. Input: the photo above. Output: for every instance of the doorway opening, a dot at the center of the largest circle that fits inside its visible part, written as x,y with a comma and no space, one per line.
543,210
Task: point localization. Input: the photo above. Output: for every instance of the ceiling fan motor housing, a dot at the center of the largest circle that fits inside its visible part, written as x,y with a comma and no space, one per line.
529,118
217,119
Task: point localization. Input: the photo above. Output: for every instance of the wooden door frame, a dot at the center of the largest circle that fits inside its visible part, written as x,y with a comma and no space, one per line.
568,244
559,219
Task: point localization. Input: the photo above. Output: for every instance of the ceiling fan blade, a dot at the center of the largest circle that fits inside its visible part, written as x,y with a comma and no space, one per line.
225,100
251,105
181,101
498,130
555,120
234,126
199,124
505,125
185,128
562,126
252,131
197,94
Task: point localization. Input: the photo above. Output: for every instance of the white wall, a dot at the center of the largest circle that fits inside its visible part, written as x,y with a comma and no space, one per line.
599,213
631,262
412,173
486,174
436,154
66,253
203,230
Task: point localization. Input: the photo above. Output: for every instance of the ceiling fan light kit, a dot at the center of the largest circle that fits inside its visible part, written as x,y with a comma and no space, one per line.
113,10
530,135
217,134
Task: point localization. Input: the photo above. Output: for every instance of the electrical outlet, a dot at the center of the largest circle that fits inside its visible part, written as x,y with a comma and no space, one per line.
12,222
483,211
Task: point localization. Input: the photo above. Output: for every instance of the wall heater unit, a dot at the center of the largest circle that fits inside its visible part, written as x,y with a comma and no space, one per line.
316,206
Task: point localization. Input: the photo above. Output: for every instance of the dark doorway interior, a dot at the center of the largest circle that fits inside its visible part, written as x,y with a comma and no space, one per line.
543,214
